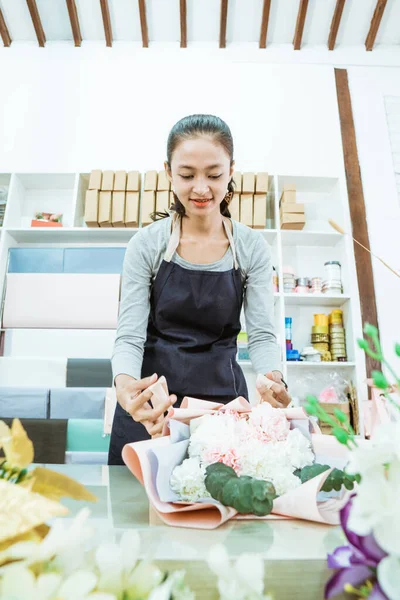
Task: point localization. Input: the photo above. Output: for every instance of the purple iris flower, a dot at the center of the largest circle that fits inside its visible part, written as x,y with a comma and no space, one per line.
356,563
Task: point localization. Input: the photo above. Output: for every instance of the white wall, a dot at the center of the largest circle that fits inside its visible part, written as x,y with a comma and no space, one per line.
368,88
66,109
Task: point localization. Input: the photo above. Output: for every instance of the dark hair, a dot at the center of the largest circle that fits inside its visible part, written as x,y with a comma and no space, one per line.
194,126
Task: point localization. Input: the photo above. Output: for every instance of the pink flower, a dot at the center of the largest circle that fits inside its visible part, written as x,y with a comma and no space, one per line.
229,457
270,424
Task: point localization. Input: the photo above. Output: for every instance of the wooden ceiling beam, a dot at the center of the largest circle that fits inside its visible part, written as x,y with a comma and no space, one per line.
5,35
264,23
143,23
105,13
73,17
375,23
183,12
223,22
301,19
37,23
337,16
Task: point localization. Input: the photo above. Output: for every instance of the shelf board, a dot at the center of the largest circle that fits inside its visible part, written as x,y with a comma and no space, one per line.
319,365
315,299
72,234
310,238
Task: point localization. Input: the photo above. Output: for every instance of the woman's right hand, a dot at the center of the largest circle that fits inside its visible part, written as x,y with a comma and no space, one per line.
133,395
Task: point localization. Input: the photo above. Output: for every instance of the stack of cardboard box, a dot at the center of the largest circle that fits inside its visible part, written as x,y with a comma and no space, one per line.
291,212
112,199
249,203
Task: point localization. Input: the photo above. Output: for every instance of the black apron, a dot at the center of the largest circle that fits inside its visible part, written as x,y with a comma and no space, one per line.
193,326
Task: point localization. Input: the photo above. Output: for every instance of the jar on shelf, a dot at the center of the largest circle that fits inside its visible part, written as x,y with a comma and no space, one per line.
321,320
302,285
316,285
289,280
332,283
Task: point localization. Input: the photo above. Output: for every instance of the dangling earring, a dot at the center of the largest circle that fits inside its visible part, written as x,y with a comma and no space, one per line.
228,197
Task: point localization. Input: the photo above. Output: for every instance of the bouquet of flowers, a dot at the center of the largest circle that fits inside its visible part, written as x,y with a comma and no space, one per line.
238,461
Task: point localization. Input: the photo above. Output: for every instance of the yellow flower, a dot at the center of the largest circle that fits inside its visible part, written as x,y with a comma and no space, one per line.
17,447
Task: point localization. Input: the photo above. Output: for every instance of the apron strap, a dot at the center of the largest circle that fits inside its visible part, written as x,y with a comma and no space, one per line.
176,235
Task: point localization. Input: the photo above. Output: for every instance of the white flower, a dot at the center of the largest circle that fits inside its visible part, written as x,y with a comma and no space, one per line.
284,481
389,576
242,581
19,583
173,587
298,449
375,507
66,541
383,449
271,422
187,480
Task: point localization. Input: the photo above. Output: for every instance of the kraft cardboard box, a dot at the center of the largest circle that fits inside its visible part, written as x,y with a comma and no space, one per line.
237,179
107,183
105,209
133,181
288,193
292,207
148,206
162,201
234,207
292,220
246,209
95,180
248,183
132,209
120,181
118,209
262,183
163,183
260,211
150,181
92,208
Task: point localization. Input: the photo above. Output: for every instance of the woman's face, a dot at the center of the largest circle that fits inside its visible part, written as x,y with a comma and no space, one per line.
200,173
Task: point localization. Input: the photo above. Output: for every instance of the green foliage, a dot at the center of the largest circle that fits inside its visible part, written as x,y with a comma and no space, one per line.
245,494
334,481
380,380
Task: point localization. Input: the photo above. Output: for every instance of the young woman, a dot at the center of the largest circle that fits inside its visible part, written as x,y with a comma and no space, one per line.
185,278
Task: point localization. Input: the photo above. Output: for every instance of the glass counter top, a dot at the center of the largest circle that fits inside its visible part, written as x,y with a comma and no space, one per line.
122,504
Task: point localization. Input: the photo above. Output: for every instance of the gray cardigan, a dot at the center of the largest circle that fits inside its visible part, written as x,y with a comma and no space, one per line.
143,258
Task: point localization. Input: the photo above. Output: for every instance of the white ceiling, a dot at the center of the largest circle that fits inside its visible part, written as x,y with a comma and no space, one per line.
203,20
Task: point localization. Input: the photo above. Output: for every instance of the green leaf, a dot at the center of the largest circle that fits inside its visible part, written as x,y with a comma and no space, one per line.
380,380
311,471
397,349
245,494
341,435
363,344
334,481
339,414
370,330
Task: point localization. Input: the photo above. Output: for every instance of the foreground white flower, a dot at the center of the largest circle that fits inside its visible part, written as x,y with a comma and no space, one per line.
173,587
187,480
66,540
375,508
19,583
389,576
243,580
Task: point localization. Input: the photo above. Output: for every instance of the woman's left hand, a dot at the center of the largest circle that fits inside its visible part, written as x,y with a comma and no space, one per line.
276,395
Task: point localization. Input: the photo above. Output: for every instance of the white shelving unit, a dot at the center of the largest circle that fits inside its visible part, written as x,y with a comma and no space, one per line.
306,251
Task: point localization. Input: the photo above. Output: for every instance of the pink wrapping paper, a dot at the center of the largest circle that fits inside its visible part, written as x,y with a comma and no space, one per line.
300,503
